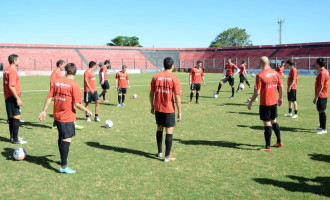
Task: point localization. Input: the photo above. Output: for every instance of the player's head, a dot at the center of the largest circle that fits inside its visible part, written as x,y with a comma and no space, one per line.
264,62
320,62
243,62
229,60
107,62
282,63
60,64
123,68
199,64
168,63
92,64
290,62
70,69
13,59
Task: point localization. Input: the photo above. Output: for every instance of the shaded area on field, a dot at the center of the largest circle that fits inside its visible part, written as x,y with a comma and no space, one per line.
30,125
4,139
320,157
231,104
318,185
225,144
121,150
283,128
244,113
43,161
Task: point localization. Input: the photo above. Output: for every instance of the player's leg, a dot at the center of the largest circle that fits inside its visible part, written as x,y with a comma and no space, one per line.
232,87
294,102
191,94
198,88
277,131
67,131
123,96
87,116
97,110
168,144
265,115
159,139
241,81
16,116
321,107
119,99
219,86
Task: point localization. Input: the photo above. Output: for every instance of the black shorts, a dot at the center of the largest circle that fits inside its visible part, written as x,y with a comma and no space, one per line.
11,107
122,90
321,104
268,113
65,129
195,86
89,97
105,85
292,95
230,79
165,119
242,78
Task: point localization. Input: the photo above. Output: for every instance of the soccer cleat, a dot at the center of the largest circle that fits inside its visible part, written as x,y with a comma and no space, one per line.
321,132
278,144
77,127
19,141
231,97
169,158
88,119
288,115
118,105
105,101
21,120
294,116
123,104
267,150
159,155
54,127
237,91
12,140
67,170
189,102
97,119
250,86
318,128
197,102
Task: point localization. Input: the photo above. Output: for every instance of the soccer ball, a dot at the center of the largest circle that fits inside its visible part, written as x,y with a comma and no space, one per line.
134,96
241,86
215,96
19,154
253,75
108,123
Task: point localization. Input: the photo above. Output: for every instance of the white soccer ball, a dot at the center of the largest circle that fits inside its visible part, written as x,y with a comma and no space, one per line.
253,75
135,96
19,154
108,123
241,86
215,96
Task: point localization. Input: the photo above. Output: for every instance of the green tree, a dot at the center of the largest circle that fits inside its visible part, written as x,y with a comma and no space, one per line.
231,38
125,41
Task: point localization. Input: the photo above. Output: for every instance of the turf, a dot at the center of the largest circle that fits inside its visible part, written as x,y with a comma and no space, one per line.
215,145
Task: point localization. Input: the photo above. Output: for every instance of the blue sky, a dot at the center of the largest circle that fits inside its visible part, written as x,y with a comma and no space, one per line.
170,23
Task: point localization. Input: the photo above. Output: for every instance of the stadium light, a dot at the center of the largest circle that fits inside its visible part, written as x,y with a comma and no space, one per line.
280,22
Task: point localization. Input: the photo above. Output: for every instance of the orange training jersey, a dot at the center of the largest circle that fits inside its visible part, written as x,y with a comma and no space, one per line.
65,93
196,75
267,81
242,68
293,75
122,79
10,79
164,84
279,70
104,70
91,81
55,75
230,69
322,78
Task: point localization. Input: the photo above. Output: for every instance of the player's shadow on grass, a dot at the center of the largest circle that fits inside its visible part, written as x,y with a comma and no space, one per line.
225,144
121,150
43,161
30,125
318,185
283,128
231,104
207,97
108,104
244,113
320,157
3,139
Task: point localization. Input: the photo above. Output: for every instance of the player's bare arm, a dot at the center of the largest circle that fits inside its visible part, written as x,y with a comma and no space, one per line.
42,115
178,105
320,88
253,98
151,98
83,108
18,99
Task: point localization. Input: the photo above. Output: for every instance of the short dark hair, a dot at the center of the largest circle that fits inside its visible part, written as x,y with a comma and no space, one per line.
229,59
59,62
106,62
124,67
71,69
91,64
321,62
12,58
282,62
199,61
290,62
243,62
168,63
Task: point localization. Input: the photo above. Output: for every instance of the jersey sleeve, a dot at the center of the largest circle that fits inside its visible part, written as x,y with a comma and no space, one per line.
258,83
177,87
76,94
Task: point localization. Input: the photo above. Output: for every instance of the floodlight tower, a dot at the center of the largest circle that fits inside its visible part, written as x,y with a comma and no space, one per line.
280,22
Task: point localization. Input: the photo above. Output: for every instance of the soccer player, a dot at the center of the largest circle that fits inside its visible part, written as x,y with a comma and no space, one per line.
242,78
12,93
164,86
321,94
122,82
229,70
104,79
266,85
196,74
66,94
280,68
292,89
90,93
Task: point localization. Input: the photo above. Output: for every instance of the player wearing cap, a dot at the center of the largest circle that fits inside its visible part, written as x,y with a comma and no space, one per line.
266,84
164,86
229,71
195,77
292,89
122,82
242,78
66,95
321,94
104,79
90,93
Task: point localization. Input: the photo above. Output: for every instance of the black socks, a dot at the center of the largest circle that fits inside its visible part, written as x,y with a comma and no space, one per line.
122,98
232,91
168,143
103,94
219,88
197,95
247,82
268,135
290,110
119,99
277,131
11,127
323,120
191,95
64,150
159,138
15,127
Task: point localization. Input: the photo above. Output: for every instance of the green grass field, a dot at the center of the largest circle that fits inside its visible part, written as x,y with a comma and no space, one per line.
215,145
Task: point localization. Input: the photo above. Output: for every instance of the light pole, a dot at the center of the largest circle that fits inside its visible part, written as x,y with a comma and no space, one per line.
280,22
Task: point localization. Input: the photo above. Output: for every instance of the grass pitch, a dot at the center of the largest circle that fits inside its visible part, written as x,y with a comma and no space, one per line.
215,146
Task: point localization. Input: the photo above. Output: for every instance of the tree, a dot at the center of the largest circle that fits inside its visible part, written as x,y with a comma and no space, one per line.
231,38
125,41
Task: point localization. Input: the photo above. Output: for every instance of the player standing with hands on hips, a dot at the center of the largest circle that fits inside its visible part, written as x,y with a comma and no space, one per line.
195,76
